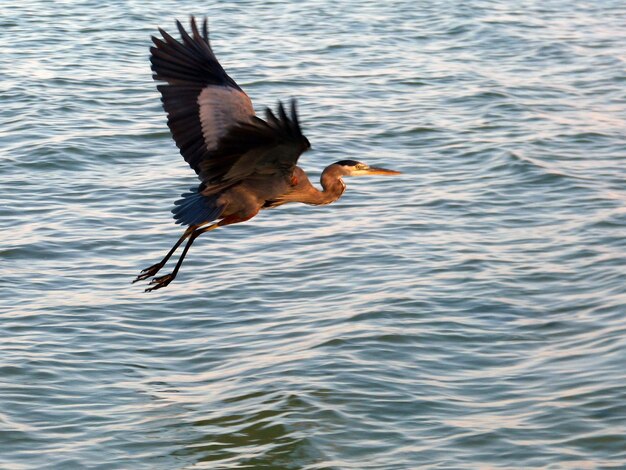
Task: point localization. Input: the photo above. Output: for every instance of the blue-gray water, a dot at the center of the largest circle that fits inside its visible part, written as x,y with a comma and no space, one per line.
467,314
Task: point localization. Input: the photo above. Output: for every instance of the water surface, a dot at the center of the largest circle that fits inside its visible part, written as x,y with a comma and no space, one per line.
468,314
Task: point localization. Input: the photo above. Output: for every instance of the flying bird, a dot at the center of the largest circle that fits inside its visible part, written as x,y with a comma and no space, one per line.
244,163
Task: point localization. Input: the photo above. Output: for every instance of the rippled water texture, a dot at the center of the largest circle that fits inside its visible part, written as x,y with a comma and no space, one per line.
467,314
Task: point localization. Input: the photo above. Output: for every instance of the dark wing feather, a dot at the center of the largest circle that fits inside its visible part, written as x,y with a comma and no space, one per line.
259,147
212,120
201,101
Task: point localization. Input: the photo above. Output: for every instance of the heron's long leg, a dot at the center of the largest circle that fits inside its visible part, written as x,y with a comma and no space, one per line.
155,268
165,280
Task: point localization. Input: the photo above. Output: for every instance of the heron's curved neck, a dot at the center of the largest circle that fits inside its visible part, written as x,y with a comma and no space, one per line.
332,184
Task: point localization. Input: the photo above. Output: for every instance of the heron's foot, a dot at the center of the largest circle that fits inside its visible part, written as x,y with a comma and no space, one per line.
149,272
160,282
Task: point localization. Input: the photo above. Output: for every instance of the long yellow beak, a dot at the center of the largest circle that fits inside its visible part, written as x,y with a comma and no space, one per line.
372,170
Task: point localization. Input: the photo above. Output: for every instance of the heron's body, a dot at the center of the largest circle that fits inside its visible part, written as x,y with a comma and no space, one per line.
245,164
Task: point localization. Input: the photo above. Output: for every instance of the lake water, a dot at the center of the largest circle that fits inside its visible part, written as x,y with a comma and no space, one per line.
467,314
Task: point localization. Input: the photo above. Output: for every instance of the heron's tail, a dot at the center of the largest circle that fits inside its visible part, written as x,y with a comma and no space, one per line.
193,208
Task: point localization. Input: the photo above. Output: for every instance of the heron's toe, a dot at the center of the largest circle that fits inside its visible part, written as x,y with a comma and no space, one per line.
148,272
160,282
141,277
152,268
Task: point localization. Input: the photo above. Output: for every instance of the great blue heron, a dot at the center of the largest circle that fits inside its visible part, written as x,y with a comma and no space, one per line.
244,163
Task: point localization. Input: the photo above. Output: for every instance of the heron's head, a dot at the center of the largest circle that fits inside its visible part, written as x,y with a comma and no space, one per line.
354,168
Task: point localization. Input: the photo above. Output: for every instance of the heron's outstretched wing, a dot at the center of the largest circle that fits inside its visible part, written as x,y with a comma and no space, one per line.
201,101
212,119
258,148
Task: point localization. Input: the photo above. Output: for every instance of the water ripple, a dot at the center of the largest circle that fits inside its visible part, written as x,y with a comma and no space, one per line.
468,313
